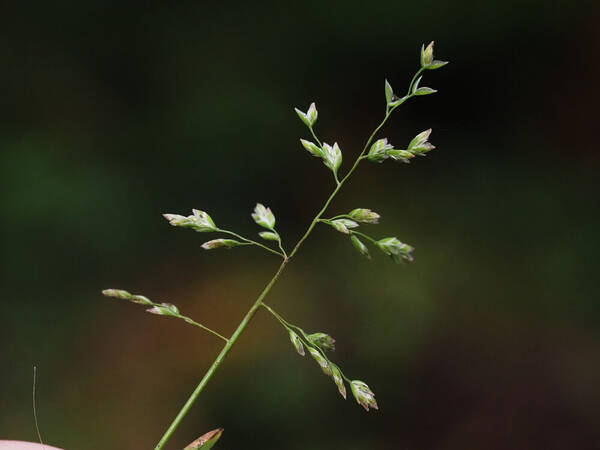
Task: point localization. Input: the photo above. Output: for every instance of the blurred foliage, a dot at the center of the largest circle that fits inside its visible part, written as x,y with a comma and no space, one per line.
114,113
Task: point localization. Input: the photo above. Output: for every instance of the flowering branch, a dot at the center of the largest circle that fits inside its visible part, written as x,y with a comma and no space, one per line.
317,344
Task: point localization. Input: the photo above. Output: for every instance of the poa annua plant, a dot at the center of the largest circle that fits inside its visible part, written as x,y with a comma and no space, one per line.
318,345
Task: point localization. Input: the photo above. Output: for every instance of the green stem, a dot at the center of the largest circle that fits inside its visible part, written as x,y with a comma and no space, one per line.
281,320
315,136
279,243
341,216
250,314
410,86
250,241
364,235
287,324
190,321
290,326
205,328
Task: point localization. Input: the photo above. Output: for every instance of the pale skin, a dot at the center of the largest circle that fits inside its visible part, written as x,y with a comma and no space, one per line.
20,445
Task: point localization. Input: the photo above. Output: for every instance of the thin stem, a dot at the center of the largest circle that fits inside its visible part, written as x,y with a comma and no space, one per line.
348,380
37,427
410,86
281,320
250,241
340,216
189,320
250,314
205,328
315,136
279,244
364,235
288,325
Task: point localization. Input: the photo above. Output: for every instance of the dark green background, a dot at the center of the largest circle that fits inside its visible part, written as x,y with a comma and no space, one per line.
116,112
